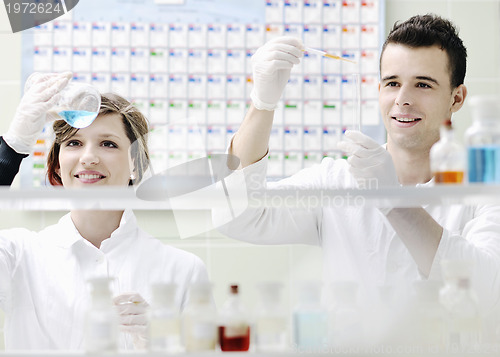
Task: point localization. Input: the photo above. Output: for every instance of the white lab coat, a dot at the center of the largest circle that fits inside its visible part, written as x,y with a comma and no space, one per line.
358,243
43,288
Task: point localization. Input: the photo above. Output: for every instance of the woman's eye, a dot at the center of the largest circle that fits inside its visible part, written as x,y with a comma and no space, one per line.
72,143
392,84
109,144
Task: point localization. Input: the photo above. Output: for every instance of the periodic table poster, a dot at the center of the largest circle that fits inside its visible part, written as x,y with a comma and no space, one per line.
186,65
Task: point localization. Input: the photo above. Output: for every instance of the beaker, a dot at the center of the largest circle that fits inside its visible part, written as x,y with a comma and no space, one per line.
78,105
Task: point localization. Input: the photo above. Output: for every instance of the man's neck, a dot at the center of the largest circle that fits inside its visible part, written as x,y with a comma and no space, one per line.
96,226
412,166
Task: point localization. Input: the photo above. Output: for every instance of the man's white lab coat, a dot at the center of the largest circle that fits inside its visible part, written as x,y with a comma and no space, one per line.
358,242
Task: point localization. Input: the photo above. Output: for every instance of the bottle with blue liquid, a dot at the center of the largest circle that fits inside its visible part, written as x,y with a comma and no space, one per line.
310,321
483,140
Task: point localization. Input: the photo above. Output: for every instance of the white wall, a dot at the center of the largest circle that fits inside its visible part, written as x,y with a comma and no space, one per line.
478,22
229,261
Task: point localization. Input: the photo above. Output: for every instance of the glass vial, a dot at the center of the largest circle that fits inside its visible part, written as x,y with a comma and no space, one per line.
234,328
447,157
310,319
198,319
101,322
344,316
429,315
164,329
463,325
271,319
482,140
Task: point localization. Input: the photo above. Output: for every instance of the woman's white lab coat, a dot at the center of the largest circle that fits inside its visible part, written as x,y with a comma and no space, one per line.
43,278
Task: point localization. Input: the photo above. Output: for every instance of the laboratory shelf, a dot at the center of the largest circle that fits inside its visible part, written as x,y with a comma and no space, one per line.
50,198
406,352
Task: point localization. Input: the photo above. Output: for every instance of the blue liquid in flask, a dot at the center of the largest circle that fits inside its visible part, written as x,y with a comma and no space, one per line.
78,118
484,164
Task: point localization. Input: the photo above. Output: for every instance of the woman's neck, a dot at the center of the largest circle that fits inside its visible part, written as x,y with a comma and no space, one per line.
96,226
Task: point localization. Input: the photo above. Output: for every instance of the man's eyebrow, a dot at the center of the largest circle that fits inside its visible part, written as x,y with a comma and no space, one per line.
430,79
421,78
388,78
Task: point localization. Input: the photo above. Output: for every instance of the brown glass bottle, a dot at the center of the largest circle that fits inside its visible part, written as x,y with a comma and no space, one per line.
234,330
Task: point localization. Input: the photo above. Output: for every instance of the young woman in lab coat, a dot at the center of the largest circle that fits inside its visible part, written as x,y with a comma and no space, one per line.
43,275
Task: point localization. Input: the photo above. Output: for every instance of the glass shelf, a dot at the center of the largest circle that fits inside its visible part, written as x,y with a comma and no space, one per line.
56,199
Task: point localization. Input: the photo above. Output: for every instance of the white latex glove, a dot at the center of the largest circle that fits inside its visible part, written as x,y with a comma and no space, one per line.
133,317
271,66
30,116
370,164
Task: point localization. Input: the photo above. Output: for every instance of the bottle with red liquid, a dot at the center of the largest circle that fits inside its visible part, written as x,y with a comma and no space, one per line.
448,159
234,327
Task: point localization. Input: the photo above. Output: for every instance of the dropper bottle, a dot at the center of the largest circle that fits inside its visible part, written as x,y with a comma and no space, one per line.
199,331
270,319
165,334
310,321
101,323
447,157
464,325
234,328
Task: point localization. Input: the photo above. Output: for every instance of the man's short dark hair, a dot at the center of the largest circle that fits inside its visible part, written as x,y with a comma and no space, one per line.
430,30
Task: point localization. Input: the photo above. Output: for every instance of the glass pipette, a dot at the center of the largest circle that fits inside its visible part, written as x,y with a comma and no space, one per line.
325,54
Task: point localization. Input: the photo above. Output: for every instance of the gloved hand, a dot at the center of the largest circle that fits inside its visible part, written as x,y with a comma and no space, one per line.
133,319
271,66
368,162
30,116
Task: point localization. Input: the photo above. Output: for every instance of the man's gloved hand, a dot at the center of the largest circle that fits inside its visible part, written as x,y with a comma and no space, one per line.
370,164
133,318
30,116
271,66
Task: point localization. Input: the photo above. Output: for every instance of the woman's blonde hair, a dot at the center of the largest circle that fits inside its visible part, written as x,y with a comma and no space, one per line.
136,127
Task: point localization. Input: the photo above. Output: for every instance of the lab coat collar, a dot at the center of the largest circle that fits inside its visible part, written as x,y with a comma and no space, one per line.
71,235
124,232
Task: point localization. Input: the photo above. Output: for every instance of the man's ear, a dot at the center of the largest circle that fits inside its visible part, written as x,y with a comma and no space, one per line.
458,97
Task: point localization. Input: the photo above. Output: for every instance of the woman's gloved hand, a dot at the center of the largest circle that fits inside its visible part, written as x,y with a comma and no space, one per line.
133,319
271,66
30,116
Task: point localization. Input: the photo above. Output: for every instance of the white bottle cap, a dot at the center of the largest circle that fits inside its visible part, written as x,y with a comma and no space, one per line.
427,290
200,291
485,107
344,291
456,268
100,287
270,291
164,293
310,291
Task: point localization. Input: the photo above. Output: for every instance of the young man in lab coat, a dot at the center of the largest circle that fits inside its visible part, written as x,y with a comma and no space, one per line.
422,69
